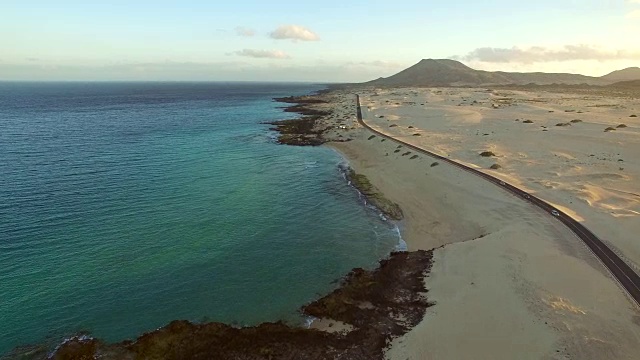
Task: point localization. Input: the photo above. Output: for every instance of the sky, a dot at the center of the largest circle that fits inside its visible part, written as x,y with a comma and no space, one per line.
315,41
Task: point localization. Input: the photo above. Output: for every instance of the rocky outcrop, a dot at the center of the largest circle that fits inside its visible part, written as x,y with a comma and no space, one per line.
379,305
390,209
305,131
301,132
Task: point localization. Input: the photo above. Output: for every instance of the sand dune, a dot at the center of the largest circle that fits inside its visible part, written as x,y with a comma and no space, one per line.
578,166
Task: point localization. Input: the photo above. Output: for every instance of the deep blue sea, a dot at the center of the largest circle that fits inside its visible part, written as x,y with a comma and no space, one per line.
124,206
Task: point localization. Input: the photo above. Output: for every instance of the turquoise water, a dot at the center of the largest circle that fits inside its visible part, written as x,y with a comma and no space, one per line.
125,206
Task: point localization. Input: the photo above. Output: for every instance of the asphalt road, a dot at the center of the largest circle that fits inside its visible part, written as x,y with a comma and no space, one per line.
622,272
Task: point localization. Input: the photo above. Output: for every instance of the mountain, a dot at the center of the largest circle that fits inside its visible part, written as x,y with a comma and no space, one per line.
446,72
631,73
430,72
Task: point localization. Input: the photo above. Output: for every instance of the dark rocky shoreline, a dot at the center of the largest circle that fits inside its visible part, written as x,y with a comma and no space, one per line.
380,305
305,131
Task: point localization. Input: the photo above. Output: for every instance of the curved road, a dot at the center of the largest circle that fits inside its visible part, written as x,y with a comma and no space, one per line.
622,272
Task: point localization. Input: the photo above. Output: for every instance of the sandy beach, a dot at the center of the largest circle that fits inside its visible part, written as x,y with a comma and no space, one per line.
508,279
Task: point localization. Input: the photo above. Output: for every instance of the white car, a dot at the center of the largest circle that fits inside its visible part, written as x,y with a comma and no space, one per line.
555,212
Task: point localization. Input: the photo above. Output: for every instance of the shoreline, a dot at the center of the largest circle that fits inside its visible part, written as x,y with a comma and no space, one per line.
489,245
486,268
335,327
397,224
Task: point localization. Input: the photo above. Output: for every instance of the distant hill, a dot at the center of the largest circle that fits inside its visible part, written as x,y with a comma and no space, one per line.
430,72
446,72
632,84
632,73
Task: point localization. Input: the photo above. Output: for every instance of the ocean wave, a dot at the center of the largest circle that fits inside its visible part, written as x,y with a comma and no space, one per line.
311,165
343,167
73,338
308,320
402,245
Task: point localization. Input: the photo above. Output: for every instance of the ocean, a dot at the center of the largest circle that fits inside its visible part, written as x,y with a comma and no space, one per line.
124,206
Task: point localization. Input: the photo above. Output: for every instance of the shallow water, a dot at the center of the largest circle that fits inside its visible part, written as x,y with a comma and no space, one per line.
124,206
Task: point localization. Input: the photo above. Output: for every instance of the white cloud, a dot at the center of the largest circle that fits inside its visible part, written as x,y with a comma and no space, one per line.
294,32
262,54
244,31
539,54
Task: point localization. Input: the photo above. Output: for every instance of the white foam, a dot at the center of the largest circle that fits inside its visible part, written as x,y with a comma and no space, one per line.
308,320
402,245
73,338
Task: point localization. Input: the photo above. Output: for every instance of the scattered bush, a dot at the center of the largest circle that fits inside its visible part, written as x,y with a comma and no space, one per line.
383,140
576,121
435,164
393,125
371,137
397,151
410,127
407,153
609,129
416,134
634,115
527,122
413,157
563,124
487,154
495,166
621,126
